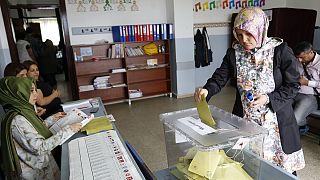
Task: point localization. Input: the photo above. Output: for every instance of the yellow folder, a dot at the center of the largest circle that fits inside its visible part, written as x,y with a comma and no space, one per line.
97,124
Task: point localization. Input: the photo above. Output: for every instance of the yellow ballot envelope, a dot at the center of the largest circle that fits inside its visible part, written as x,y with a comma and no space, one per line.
231,171
205,163
204,112
183,168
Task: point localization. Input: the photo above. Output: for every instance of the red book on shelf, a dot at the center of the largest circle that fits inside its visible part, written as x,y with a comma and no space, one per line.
147,38
141,32
136,33
144,32
127,33
150,32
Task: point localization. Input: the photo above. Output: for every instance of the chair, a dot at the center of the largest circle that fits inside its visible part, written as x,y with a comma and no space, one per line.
314,122
314,119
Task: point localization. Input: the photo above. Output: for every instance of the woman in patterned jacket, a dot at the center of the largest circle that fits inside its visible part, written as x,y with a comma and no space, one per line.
26,141
267,81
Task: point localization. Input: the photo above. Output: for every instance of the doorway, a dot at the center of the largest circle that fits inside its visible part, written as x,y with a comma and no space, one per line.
40,18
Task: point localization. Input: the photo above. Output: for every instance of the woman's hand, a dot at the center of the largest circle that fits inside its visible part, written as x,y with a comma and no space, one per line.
259,100
75,127
199,93
59,115
40,111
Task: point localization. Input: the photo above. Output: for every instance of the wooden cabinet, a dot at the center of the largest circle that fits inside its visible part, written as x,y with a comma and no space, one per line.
151,80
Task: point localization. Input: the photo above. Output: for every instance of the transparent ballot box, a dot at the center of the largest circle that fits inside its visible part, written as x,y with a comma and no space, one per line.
195,155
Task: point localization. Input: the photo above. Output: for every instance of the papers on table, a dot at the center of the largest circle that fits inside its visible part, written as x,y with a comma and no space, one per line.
100,156
73,116
110,117
80,104
83,123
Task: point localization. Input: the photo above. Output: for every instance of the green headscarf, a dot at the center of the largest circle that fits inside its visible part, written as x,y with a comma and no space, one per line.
14,97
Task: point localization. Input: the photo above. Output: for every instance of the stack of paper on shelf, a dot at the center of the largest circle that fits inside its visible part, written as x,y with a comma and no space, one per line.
152,62
208,164
135,93
86,88
101,82
118,70
118,85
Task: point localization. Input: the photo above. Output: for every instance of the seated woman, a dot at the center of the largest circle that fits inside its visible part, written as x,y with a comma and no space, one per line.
48,97
19,70
26,141
15,69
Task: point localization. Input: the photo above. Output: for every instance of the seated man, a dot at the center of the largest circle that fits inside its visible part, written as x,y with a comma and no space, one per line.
309,67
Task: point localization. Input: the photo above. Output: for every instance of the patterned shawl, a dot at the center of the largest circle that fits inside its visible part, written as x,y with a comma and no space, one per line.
14,97
254,21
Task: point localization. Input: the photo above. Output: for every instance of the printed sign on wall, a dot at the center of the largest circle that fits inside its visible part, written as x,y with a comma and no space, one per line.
210,5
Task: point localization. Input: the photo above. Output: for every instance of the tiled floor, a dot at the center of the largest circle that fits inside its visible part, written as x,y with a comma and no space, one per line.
140,125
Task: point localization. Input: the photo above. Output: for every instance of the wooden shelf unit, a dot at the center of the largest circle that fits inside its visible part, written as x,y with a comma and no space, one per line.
151,80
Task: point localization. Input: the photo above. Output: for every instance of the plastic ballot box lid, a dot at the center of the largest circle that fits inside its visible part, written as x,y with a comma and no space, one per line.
228,129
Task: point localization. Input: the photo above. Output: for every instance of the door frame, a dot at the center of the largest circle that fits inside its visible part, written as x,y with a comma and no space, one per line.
66,37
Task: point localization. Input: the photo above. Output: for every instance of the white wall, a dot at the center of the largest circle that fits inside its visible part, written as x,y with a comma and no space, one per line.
3,36
219,36
224,15
150,11
184,77
4,47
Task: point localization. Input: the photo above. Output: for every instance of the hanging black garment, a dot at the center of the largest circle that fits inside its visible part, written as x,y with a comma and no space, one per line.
198,48
207,48
202,48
